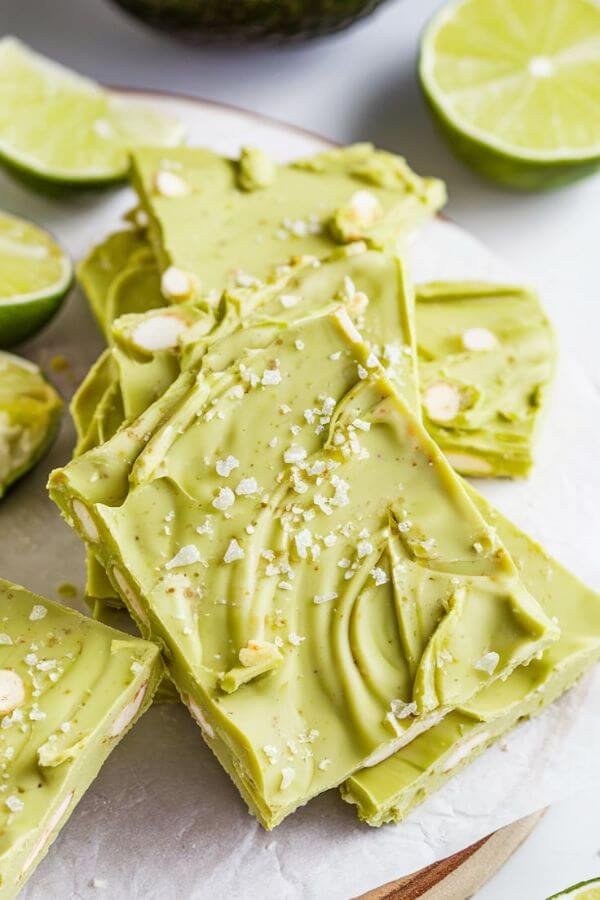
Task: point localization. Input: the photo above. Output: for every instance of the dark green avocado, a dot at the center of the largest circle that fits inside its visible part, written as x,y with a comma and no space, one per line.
196,20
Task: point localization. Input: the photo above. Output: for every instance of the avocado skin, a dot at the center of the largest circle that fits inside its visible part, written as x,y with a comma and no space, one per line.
197,20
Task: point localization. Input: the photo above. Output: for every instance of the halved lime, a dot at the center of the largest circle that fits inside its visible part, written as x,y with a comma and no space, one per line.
30,412
515,87
35,276
584,890
59,128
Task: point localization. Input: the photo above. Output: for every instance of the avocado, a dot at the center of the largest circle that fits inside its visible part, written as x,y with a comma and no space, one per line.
249,19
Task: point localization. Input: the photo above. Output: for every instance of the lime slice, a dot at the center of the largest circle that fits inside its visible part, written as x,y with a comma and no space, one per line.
584,890
59,128
30,412
35,275
515,87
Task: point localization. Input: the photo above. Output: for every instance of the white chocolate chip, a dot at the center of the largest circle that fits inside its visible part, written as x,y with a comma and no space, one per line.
55,819
168,184
128,713
87,524
468,464
158,332
177,284
130,595
12,691
199,717
479,339
442,401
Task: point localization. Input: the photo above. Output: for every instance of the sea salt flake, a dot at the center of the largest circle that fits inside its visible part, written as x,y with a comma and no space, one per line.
226,466
247,487
224,499
379,576
185,557
234,552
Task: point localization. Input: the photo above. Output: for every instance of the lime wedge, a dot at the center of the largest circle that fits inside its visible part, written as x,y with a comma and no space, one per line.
584,890
59,128
35,275
30,412
515,87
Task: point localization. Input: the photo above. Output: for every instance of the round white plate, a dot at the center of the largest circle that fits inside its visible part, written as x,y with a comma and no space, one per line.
162,820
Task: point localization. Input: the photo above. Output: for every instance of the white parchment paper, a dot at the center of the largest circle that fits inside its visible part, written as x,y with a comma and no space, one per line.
163,820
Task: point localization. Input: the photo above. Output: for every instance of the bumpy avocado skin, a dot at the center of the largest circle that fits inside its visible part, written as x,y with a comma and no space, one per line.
249,19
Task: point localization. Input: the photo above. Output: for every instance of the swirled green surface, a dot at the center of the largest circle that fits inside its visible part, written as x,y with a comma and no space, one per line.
76,687
423,590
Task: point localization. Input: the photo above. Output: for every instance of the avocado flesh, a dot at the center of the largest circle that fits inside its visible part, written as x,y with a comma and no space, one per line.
82,687
471,599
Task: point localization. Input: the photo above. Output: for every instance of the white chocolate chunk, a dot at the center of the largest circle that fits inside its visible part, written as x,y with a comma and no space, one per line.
158,332
442,401
130,595
46,835
168,184
199,718
366,208
464,750
468,464
479,339
488,662
87,524
12,691
128,713
177,284
258,652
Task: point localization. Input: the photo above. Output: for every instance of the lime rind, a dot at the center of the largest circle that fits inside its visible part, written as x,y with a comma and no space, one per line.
581,889
86,133
37,274
514,96
30,414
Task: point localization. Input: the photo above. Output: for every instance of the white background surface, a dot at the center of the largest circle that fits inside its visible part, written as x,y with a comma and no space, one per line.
361,85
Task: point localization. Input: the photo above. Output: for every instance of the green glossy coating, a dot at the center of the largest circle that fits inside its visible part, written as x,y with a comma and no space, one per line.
486,357
204,213
30,411
70,688
281,500
389,791
119,276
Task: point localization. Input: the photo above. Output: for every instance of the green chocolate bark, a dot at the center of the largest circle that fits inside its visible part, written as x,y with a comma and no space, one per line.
30,411
322,585
349,277
486,357
70,689
389,791
119,276
221,221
